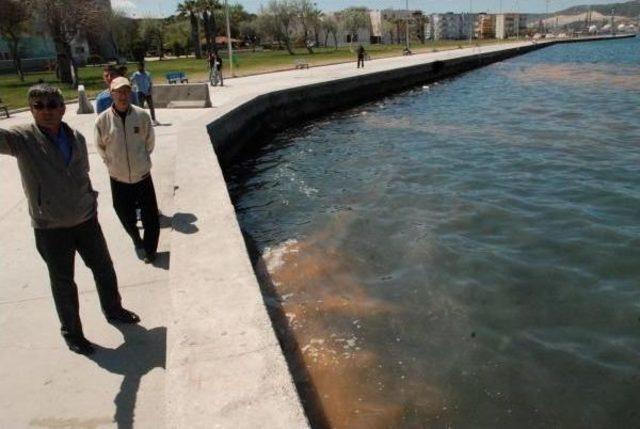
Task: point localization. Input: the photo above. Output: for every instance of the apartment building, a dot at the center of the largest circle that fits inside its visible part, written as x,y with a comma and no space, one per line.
510,25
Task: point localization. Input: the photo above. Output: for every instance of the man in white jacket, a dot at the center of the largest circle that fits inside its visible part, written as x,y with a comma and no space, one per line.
125,139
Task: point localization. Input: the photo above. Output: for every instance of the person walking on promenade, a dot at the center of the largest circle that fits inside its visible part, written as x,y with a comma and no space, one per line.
124,139
103,99
54,168
215,69
143,87
361,53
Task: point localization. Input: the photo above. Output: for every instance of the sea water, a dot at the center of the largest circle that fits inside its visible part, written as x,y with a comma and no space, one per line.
465,254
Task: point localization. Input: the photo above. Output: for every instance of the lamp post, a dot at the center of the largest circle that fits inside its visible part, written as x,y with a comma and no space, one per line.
471,23
229,45
407,25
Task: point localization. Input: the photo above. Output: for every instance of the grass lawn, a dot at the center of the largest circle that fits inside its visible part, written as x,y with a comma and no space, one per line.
13,92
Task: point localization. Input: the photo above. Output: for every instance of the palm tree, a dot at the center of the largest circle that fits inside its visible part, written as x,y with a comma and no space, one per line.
207,9
188,8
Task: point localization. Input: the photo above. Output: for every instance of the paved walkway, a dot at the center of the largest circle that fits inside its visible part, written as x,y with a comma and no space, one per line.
238,369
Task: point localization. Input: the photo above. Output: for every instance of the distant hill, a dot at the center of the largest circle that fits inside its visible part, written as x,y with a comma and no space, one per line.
628,9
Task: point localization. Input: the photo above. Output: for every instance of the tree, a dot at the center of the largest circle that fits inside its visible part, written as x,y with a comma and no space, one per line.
330,26
177,35
188,8
249,32
307,14
66,20
207,9
153,31
355,18
267,27
13,22
125,33
284,15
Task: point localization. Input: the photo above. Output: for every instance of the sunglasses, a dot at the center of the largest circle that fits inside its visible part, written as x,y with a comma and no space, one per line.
51,105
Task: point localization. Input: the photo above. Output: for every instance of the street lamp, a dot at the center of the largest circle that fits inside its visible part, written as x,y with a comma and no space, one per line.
229,46
407,25
471,24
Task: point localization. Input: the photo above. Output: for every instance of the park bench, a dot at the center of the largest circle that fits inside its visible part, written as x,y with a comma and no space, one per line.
4,107
175,77
301,64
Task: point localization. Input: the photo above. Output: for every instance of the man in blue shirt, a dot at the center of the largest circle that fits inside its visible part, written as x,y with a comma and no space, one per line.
103,99
54,168
143,87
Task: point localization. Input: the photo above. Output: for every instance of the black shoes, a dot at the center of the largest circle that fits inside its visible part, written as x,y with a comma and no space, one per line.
150,258
79,345
123,316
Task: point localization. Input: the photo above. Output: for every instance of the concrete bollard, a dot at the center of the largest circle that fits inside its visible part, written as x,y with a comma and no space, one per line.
84,105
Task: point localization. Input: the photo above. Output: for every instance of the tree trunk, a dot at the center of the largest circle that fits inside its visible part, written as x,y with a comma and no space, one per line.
213,31
335,40
207,31
287,44
15,53
326,39
64,66
195,35
306,45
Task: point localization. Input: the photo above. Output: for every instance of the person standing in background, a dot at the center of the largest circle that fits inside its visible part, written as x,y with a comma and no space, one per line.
103,99
143,87
54,168
361,53
215,69
124,139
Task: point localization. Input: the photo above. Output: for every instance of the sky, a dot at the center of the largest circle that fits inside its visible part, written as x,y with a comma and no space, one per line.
147,8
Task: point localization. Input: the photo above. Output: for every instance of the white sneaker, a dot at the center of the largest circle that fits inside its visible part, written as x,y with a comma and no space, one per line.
155,123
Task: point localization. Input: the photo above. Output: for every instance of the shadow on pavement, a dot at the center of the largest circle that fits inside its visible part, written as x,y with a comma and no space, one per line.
142,351
185,223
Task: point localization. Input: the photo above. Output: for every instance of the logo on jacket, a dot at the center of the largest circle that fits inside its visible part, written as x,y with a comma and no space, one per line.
136,130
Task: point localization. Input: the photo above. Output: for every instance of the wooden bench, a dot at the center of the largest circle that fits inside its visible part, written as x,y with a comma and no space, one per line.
301,64
175,77
4,107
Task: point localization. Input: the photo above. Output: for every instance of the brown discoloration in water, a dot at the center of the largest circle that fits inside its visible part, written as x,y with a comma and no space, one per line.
580,74
328,311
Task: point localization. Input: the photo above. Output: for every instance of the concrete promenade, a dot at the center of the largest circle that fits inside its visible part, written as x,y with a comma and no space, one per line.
205,354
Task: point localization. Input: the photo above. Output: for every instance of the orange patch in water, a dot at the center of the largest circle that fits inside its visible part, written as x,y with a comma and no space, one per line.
580,74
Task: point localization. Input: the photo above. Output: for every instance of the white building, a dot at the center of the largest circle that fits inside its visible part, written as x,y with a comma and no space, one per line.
451,26
510,25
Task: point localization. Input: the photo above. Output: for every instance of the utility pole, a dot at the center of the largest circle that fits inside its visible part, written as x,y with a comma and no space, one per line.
517,21
229,45
547,18
613,31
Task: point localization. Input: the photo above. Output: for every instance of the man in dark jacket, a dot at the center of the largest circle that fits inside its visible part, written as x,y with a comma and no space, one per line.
54,168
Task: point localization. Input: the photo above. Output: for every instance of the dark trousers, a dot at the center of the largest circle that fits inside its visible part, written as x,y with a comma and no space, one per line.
127,197
360,61
142,97
58,249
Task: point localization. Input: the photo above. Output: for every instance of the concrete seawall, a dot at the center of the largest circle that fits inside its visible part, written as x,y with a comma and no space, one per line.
253,120
269,113
206,354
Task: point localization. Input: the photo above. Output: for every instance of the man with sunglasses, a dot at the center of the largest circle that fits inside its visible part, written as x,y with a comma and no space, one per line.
54,168
125,139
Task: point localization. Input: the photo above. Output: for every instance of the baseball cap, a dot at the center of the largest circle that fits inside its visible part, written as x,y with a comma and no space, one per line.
119,82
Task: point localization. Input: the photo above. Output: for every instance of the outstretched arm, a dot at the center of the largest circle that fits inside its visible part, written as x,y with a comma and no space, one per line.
7,142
